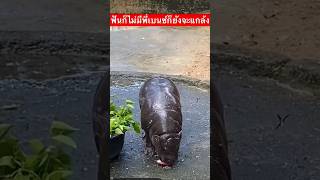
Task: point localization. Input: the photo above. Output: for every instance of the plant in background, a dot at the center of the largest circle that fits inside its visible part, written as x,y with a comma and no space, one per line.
44,162
121,118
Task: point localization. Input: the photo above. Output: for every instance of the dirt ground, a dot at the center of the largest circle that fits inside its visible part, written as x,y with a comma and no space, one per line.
286,27
165,50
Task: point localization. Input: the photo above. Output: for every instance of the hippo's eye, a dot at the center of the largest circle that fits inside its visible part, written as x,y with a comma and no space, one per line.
168,143
172,143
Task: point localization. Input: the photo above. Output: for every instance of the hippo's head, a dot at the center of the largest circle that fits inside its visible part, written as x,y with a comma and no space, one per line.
167,147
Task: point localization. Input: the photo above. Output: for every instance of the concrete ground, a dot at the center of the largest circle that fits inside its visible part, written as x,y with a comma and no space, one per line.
193,161
37,104
258,149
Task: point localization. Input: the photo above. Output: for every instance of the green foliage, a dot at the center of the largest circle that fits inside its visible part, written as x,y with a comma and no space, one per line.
121,119
61,128
44,162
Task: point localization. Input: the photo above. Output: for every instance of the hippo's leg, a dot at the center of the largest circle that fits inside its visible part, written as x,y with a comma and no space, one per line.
149,147
149,151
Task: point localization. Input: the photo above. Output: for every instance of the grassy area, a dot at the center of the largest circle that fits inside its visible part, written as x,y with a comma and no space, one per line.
159,6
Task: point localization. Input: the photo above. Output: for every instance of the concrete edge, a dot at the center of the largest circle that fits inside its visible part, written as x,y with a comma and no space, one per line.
123,74
54,43
265,64
177,78
255,62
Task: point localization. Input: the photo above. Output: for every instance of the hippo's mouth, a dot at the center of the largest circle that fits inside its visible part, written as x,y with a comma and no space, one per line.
163,163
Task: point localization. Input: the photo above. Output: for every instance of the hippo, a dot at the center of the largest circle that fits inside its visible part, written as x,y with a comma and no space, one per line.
161,119
221,165
100,124
100,111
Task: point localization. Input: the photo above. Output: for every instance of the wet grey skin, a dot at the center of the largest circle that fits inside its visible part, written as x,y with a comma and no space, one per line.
161,119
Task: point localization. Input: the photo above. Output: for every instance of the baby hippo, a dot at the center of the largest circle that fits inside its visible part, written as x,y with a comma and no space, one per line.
161,119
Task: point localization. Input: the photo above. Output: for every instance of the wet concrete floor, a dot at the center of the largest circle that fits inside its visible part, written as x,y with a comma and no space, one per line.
36,103
257,149
193,161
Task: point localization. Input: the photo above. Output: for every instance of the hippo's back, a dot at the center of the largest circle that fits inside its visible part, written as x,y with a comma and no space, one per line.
160,93
160,106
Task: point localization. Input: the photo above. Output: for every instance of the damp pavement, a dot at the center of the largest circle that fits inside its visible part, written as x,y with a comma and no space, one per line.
33,95
260,145
32,105
257,149
32,100
35,104
193,161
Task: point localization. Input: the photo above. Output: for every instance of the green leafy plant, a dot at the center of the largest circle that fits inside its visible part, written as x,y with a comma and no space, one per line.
121,118
43,162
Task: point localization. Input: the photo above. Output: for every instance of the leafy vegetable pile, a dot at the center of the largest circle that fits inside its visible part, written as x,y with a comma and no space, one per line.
44,162
121,119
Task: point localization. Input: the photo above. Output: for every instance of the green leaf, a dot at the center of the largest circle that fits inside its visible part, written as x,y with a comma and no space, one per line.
7,161
59,175
16,165
19,156
65,140
130,106
4,129
125,129
43,160
129,101
121,118
59,127
36,145
24,174
118,131
9,146
31,162
20,176
136,127
129,117
63,158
